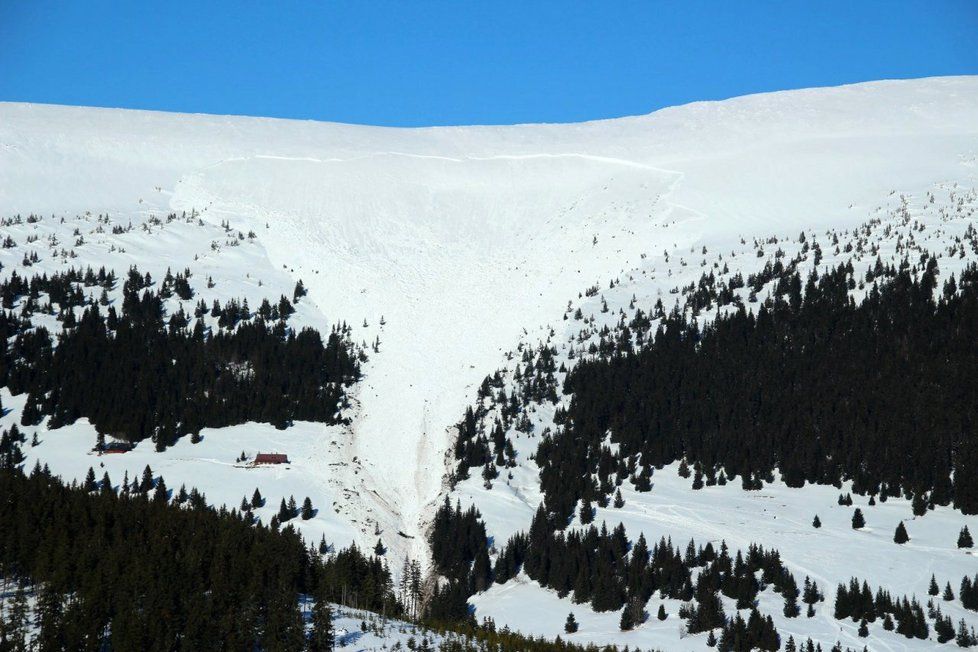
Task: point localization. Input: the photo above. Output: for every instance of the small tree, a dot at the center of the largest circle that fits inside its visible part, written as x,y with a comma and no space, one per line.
863,629
964,538
662,615
683,469
626,623
933,589
587,512
307,510
619,501
570,626
161,494
919,504
858,521
284,513
816,523
147,480
256,499
900,536
379,549
90,484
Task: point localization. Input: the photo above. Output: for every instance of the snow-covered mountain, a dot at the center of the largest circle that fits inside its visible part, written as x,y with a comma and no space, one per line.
448,247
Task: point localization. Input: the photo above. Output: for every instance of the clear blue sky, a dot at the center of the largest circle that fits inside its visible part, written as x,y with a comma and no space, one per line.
421,63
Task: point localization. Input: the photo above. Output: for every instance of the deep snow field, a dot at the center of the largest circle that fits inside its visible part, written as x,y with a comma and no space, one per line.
452,246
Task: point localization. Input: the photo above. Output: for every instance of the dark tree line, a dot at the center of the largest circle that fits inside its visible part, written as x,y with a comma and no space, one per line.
138,374
858,602
602,568
884,393
130,572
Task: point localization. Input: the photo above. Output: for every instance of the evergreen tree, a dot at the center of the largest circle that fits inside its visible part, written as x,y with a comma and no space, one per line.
933,589
90,483
948,593
964,637
587,512
619,501
816,523
147,481
964,538
900,536
662,615
570,625
789,590
858,522
321,636
919,504
627,622
307,510
160,493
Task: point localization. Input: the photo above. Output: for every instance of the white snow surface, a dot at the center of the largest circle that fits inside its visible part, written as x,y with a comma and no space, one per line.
465,240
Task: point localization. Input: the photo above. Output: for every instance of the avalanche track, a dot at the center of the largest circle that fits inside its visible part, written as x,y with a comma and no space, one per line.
447,245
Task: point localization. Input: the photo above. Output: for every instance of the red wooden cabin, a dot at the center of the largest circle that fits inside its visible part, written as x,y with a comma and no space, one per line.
271,458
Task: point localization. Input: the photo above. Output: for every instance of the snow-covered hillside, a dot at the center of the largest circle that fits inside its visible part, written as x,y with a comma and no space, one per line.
450,246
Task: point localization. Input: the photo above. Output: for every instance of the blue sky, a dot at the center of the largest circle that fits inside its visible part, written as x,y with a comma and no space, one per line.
423,63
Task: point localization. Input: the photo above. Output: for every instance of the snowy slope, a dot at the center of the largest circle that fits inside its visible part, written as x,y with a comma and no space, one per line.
466,240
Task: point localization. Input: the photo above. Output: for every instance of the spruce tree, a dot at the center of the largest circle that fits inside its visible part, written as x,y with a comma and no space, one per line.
160,493
964,538
321,637
789,590
90,484
933,589
662,615
147,480
948,593
900,536
626,623
570,625
587,512
17,625
858,522
619,501
683,469
919,504
964,638
256,499
307,511
816,523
